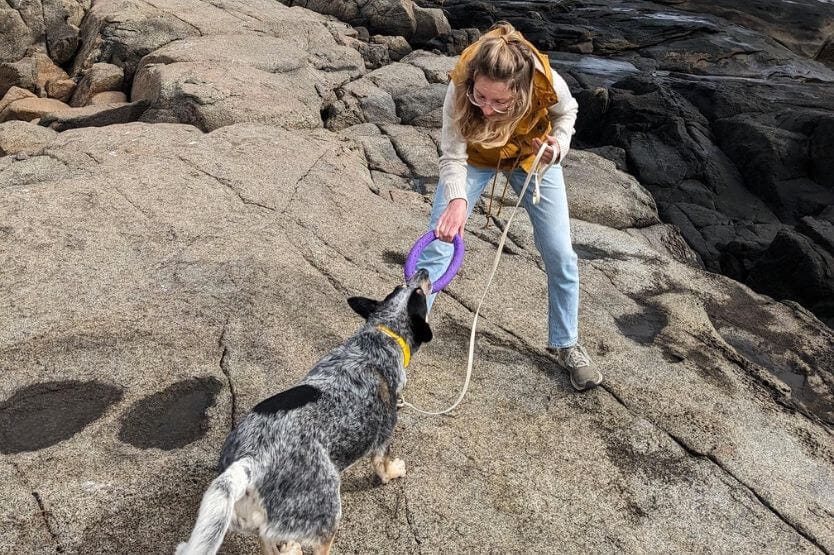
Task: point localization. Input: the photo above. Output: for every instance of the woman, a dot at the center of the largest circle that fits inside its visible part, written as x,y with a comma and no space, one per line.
503,102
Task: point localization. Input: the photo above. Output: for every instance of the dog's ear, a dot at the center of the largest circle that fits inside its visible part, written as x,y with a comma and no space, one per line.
421,329
417,312
363,306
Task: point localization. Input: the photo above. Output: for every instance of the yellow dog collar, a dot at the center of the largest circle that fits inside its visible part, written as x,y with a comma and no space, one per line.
400,341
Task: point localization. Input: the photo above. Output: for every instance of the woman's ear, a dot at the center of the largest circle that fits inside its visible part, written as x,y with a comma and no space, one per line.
363,306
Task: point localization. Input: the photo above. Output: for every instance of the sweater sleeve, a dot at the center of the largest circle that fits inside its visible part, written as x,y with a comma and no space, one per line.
452,166
563,115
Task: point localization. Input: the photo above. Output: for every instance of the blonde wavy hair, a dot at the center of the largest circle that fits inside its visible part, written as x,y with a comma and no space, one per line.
502,55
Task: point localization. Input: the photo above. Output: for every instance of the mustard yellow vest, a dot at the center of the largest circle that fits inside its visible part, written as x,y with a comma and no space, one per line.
519,149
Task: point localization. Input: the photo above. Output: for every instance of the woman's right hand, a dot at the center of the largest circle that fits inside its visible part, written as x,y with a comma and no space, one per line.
452,220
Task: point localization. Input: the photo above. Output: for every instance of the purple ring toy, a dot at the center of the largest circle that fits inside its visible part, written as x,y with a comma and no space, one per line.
444,280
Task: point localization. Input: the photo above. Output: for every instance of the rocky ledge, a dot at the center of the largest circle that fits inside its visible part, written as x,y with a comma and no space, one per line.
164,275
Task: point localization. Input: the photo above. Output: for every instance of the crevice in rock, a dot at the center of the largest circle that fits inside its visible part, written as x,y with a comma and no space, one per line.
227,184
229,10
130,202
45,514
409,517
174,15
513,241
93,158
761,377
399,152
225,367
48,154
729,56
334,282
694,453
300,181
665,41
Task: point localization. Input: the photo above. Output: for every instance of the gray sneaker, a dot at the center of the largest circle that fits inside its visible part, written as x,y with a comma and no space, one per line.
583,373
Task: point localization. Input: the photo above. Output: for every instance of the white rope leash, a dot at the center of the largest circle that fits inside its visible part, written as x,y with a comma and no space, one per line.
535,173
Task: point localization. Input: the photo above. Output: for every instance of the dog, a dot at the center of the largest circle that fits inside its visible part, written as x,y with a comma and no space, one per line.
280,467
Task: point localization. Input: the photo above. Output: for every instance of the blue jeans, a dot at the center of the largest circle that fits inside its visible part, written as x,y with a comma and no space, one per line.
551,232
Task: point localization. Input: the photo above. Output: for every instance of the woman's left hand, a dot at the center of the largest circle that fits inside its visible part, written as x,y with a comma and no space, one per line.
549,153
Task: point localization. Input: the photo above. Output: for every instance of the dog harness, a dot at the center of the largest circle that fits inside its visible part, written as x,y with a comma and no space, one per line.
400,341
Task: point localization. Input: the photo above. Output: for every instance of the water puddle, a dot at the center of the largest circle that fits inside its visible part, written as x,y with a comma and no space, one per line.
801,391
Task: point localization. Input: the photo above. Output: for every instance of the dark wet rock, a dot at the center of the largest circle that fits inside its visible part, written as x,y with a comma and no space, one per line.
801,26
44,414
794,267
820,230
642,326
171,418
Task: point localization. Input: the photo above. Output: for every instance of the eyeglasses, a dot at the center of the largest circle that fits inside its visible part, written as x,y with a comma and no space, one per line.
481,102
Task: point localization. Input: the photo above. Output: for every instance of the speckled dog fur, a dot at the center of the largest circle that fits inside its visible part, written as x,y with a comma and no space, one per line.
280,467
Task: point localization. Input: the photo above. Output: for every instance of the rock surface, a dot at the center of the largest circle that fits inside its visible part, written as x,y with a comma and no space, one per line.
387,17
44,25
20,137
162,278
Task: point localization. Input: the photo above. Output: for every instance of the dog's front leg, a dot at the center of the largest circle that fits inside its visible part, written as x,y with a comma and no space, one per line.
288,548
385,467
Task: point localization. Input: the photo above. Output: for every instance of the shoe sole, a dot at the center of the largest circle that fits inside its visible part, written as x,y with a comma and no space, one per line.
588,385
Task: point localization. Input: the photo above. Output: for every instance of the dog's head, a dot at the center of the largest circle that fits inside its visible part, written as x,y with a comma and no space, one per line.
404,310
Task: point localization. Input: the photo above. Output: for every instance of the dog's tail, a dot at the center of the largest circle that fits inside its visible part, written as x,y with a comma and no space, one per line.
217,509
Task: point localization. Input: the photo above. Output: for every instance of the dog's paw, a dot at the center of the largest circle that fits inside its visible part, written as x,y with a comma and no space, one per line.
291,548
395,469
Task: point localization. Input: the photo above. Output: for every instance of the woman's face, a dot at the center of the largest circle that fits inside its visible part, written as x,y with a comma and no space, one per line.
489,95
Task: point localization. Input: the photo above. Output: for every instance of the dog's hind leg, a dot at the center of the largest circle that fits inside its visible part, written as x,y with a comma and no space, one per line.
324,547
268,547
288,548
385,467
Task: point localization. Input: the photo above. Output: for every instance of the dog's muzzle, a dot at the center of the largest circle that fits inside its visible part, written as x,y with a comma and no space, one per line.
421,279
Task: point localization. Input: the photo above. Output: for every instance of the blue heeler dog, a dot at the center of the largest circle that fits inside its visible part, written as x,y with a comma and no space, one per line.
280,467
